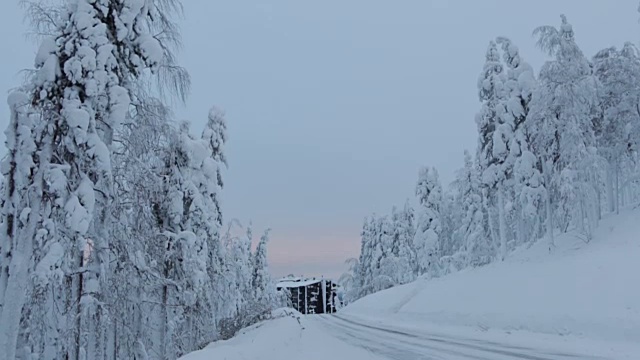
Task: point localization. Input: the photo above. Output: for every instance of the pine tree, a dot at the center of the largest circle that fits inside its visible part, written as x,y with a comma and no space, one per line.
490,90
477,247
362,274
387,264
519,85
264,289
428,227
404,233
491,142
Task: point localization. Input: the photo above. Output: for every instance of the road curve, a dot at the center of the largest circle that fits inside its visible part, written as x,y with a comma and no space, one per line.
397,344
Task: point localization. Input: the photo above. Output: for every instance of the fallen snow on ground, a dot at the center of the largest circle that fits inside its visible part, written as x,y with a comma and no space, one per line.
586,295
290,335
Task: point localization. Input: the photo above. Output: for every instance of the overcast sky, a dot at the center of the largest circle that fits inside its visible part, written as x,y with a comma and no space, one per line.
333,106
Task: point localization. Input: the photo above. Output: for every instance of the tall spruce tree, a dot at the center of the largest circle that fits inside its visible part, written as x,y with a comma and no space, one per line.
428,227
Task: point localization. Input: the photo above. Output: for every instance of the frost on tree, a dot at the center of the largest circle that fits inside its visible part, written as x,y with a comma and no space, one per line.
387,254
476,248
492,146
554,151
428,228
264,288
20,209
560,123
81,93
617,127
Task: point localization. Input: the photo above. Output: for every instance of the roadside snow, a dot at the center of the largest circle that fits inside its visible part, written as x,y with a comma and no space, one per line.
587,294
290,335
583,299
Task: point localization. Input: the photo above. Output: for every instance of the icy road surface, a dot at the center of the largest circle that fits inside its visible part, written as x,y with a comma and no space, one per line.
397,344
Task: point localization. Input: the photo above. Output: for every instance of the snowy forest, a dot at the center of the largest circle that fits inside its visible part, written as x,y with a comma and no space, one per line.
114,244
556,150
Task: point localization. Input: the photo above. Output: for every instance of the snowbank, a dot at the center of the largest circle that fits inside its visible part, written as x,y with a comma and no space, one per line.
290,335
588,292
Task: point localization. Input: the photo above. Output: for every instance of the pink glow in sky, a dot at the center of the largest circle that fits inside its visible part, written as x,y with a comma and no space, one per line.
312,254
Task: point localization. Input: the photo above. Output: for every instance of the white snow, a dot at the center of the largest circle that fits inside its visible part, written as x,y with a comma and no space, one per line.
290,336
151,50
582,296
77,119
296,283
78,217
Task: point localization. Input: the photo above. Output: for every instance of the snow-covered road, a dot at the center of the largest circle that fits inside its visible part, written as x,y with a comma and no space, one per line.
398,344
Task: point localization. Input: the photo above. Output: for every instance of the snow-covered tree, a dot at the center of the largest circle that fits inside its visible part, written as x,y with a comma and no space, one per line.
549,151
428,227
80,95
477,248
112,214
240,257
368,255
263,287
87,69
388,265
136,279
490,91
351,281
506,97
403,234
491,142
17,219
561,129
617,129
518,89
215,135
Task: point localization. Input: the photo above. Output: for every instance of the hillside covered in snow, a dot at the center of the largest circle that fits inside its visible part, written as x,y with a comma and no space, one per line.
582,295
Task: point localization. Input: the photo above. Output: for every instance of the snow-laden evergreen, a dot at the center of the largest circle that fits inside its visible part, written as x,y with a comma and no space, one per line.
476,246
492,145
427,239
556,150
387,257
